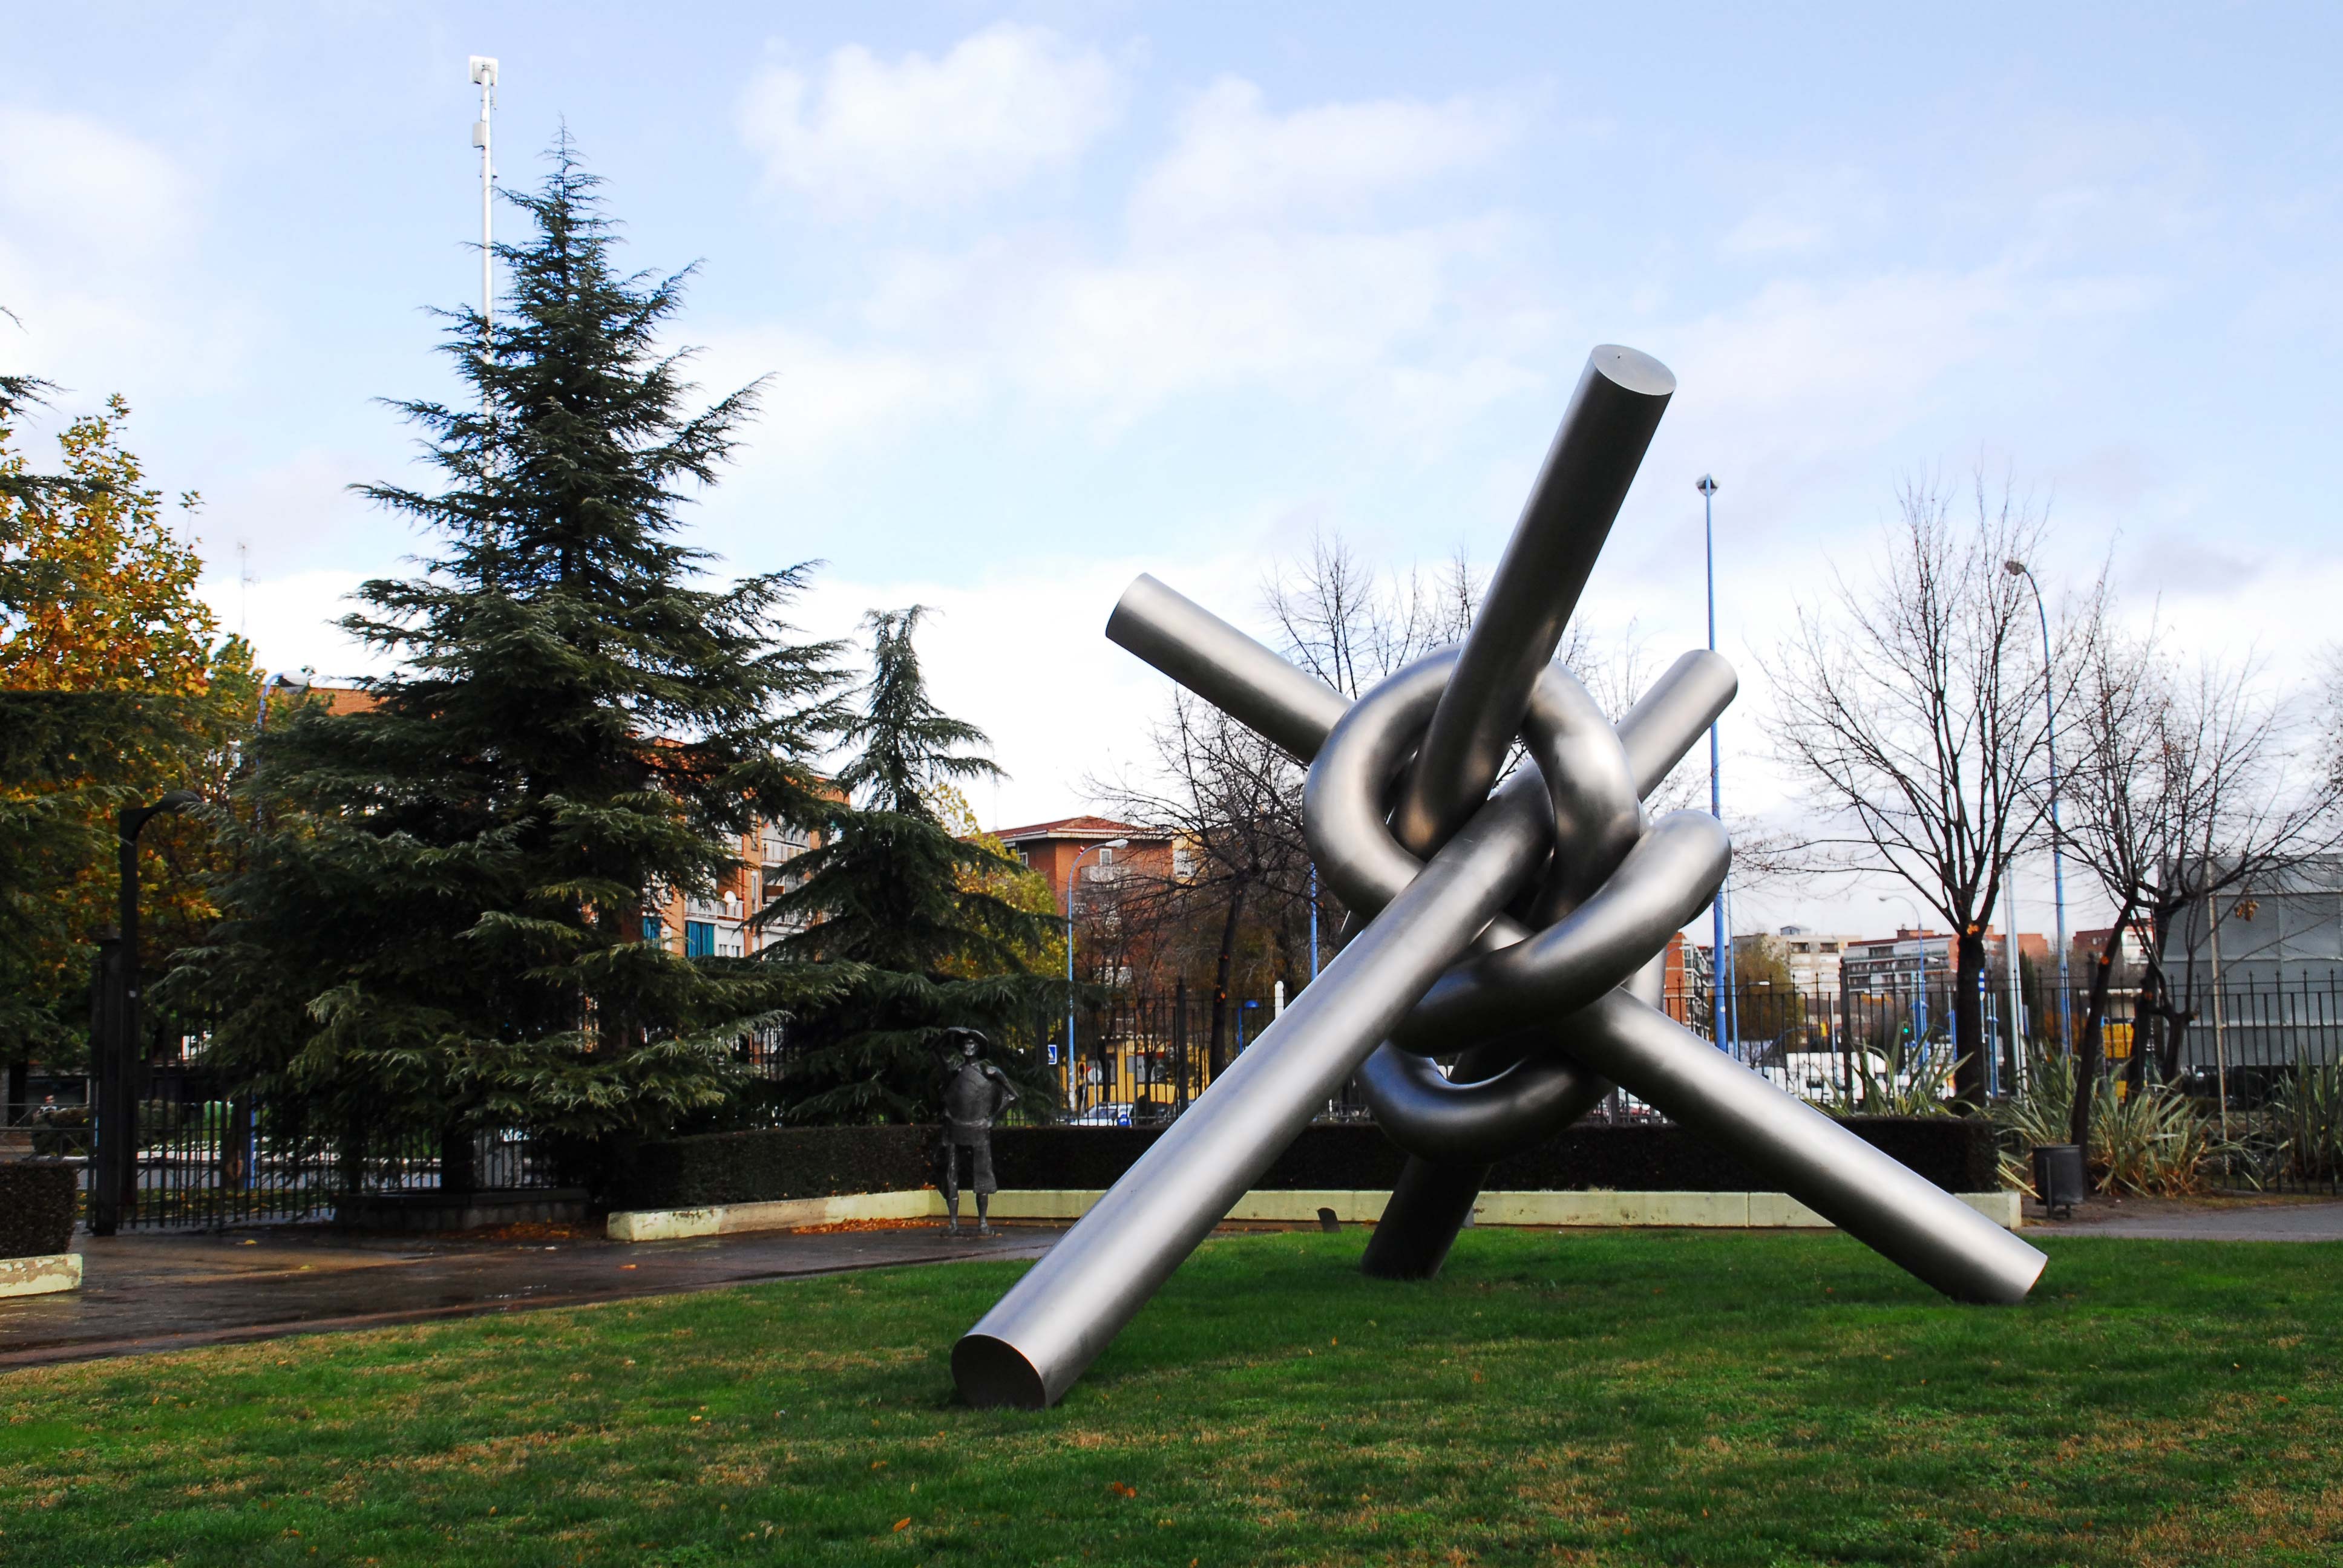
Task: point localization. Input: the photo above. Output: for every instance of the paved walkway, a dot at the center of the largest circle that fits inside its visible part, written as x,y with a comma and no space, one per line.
145,1292
2198,1219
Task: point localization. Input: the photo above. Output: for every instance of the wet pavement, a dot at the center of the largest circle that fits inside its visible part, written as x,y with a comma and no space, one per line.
145,1292
2198,1220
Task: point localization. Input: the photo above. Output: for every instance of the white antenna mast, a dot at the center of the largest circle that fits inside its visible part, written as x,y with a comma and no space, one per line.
484,74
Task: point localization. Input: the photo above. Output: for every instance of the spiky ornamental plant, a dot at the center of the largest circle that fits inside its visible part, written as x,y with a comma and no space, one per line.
443,923
899,909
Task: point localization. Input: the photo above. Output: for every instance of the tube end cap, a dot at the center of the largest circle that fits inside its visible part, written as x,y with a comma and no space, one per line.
991,1372
1633,369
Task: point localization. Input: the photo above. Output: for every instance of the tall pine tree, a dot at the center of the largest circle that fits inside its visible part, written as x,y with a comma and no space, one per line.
908,917
443,922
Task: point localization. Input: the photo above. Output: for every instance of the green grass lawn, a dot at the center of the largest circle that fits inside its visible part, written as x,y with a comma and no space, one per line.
1601,1397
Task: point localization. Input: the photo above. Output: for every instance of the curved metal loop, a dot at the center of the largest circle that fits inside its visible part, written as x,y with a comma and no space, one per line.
1581,770
1597,812
1665,879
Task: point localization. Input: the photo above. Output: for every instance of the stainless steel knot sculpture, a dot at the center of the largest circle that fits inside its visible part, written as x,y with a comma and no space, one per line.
1517,926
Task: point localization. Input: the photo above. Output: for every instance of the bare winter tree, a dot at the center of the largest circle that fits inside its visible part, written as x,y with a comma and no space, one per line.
2186,793
1233,803
1913,709
1350,625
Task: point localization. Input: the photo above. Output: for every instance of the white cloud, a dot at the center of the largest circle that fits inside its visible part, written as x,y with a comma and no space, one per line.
1004,104
290,619
1774,234
825,402
88,186
97,228
1234,162
1022,655
1245,260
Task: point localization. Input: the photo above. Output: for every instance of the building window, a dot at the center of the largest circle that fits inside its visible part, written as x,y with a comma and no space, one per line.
699,939
1106,857
653,928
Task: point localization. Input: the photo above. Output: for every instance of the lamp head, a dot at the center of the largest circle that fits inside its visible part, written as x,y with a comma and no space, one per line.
178,799
1116,844
1706,485
2014,568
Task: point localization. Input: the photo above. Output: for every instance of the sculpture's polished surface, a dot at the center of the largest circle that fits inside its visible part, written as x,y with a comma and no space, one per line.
1516,925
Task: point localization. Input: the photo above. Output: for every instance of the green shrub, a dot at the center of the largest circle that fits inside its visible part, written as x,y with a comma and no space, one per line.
1955,1152
2305,1119
2153,1141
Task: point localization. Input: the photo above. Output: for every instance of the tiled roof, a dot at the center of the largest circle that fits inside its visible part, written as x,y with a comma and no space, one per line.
1077,828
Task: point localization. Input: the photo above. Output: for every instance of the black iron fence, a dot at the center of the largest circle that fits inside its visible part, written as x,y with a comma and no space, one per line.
2260,1063
209,1154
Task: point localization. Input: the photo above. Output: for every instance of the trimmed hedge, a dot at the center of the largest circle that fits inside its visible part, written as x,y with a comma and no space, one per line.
1956,1153
37,1208
762,1166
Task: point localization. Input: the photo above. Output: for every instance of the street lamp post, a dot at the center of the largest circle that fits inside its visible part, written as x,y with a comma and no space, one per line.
2050,741
113,1186
1724,1018
1110,844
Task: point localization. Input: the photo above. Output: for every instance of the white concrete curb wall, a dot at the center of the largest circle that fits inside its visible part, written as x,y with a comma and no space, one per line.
1728,1211
789,1214
40,1275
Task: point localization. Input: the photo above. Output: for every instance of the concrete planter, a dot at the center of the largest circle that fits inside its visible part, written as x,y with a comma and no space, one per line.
40,1276
1727,1210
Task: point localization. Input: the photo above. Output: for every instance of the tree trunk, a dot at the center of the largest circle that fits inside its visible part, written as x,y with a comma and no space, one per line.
1969,1043
2176,1020
2087,1053
1221,968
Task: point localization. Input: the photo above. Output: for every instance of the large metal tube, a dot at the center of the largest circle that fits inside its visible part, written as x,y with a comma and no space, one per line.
1617,405
1428,1206
1673,714
1054,1321
1224,667
1886,1205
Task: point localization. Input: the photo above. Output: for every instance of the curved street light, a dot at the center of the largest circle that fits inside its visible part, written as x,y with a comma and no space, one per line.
114,1184
2018,568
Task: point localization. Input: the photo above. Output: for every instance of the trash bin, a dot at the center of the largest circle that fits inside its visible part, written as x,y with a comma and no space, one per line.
2059,1177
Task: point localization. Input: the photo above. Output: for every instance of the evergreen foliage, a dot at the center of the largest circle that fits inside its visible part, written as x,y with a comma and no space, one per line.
443,922
913,919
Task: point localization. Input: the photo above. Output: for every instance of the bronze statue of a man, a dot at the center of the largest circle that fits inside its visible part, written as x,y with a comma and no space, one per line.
975,1091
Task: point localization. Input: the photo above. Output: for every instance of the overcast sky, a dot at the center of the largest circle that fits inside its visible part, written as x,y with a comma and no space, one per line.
1057,294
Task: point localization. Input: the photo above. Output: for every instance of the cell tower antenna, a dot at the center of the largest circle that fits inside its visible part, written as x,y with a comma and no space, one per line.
484,76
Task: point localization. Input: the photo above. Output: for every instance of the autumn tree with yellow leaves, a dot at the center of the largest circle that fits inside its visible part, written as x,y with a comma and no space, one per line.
114,687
